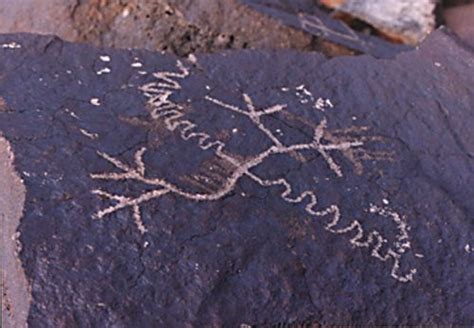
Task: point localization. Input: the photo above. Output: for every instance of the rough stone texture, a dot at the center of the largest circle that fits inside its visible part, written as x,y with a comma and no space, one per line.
177,26
461,20
15,290
409,21
44,17
303,15
251,187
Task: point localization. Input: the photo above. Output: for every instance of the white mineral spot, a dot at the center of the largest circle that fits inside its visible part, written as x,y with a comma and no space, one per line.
243,194
285,89
137,64
105,70
192,58
71,113
437,64
105,58
95,101
126,12
11,45
354,118
467,248
26,174
68,71
235,130
322,104
385,201
145,244
208,87
419,255
142,72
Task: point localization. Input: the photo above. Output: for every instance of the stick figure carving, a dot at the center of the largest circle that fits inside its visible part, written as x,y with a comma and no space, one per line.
323,142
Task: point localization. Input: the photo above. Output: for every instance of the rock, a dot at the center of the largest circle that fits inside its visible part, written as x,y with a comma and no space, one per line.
179,27
15,290
245,188
459,19
408,21
300,15
44,17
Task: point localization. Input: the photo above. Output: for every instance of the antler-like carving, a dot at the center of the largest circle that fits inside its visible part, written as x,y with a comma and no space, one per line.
349,142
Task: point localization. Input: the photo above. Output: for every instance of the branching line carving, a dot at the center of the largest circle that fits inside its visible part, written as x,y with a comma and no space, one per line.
324,142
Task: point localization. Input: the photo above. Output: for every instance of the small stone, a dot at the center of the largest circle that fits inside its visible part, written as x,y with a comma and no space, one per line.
409,21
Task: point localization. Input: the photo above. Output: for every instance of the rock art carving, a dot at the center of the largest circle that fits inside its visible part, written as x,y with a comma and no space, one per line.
319,23
324,142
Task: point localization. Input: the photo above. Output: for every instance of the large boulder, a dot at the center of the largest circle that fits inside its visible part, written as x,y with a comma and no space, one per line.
244,188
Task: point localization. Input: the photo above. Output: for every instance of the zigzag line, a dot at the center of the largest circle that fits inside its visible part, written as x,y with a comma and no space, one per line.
162,106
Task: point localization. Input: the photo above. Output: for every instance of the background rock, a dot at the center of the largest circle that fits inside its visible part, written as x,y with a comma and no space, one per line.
460,19
179,27
409,21
15,290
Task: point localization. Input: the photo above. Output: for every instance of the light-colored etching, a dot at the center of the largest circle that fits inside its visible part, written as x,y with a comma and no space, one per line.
88,134
11,45
317,24
95,101
104,70
105,58
325,142
322,104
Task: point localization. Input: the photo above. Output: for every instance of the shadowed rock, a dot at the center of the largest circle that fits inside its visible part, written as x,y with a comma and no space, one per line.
251,187
460,19
306,16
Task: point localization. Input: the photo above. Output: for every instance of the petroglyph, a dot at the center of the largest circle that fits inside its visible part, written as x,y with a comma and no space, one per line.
11,45
104,70
95,101
351,144
316,23
105,58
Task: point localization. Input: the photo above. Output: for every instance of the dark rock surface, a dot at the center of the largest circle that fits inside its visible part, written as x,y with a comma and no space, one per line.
252,187
302,14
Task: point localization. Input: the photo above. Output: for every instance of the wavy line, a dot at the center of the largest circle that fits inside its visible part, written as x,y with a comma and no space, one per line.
162,107
374,239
